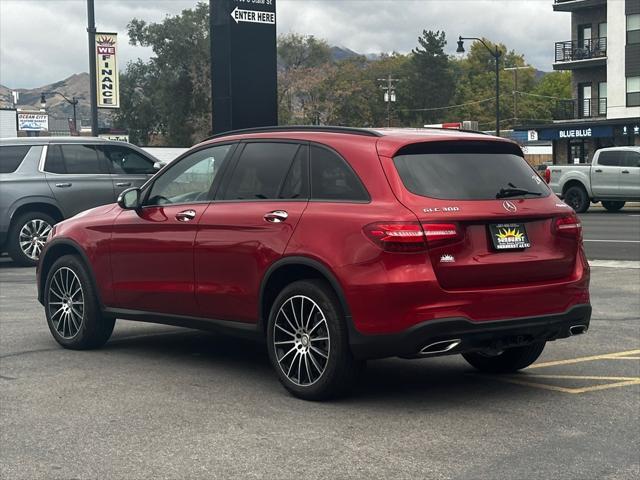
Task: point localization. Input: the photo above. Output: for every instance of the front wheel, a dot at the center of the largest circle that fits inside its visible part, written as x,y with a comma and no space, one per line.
72,308
508,361
576,197
613,206
308,342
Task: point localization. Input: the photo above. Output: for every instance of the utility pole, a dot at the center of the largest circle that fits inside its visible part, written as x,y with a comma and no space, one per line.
389,87
93,85
515,89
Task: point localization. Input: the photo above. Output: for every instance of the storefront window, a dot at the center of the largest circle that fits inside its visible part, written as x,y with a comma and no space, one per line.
633,91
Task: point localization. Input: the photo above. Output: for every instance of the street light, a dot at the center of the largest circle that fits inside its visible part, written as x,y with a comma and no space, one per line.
495,54
73,101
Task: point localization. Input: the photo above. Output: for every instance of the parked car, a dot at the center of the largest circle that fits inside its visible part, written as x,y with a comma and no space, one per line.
613,178
334,246
47,179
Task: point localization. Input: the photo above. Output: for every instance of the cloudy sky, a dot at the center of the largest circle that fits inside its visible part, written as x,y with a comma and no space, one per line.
43,41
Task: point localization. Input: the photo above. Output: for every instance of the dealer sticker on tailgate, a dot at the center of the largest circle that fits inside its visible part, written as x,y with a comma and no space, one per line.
509,236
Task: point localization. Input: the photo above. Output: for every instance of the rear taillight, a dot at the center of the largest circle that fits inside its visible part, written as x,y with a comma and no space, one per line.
568,226
406,237
411,237
547,175
440,233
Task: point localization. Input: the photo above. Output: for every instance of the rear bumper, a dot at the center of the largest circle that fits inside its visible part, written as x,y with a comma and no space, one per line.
473,336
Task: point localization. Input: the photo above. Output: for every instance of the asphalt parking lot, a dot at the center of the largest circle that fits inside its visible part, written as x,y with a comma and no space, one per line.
161,402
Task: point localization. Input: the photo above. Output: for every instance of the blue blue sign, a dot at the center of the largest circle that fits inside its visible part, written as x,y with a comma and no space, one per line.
571,133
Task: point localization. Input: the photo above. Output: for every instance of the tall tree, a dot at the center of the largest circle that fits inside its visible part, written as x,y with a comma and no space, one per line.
429,77
177,77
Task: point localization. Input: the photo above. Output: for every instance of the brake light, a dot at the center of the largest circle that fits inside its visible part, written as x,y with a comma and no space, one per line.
568,226
407,237
547,175
440,233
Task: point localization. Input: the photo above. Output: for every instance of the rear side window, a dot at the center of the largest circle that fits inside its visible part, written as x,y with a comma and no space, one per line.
73,159
11,157
332,179
466,175
631,159
262,171
610,159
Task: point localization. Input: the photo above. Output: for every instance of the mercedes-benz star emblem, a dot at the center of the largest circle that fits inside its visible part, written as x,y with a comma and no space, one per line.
509,206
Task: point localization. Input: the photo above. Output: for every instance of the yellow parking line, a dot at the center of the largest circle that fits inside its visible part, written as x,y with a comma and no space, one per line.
618,382
570,361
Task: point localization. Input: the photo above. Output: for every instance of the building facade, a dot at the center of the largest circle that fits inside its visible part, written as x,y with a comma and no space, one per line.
603,57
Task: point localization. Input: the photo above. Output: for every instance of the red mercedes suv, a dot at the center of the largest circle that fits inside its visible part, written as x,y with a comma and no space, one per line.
334,245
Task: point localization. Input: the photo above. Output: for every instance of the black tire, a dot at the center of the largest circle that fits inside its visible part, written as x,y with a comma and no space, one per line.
13,240
340,371
576,197
613,206
93,328
510,360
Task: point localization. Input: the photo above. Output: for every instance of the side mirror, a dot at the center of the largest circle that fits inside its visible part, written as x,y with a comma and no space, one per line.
129,199
159,165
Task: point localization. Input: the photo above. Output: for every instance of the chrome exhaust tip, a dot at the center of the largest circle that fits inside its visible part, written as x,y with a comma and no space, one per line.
577,329
440,347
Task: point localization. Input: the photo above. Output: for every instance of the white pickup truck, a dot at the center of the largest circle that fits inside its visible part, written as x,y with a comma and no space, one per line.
613,178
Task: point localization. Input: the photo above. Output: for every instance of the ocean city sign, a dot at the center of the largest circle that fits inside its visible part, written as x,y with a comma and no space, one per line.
107,70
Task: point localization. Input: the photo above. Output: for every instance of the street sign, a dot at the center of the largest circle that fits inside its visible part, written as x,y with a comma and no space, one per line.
244,72
253,16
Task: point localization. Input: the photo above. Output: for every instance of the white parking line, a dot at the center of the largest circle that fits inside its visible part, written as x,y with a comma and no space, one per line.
614,241
615,263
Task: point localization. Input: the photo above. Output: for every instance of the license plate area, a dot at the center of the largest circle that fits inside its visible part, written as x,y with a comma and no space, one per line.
509,236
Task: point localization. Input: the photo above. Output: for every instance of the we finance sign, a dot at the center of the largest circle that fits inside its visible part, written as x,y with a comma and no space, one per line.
107,70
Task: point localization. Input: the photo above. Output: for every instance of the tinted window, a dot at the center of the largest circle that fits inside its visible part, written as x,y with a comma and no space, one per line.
296,184
189,180
11,157
467,176
123,160
261,171
54,162
610,159
631,159
333,179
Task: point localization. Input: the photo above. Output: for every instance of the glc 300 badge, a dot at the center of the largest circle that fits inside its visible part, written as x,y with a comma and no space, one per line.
447,259
443,209
509,206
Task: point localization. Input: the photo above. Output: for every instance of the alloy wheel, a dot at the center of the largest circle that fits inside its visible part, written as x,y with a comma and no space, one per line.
33,236
301,340
66,302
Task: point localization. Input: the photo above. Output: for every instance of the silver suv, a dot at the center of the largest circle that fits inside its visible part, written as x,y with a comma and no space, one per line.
47,179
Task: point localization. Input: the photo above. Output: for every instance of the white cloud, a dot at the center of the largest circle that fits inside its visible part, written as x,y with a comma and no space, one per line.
42,41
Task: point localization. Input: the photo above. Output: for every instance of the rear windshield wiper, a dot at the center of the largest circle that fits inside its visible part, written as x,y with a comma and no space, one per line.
515,192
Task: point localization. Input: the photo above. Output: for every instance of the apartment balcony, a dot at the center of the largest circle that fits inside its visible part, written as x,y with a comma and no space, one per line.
580,109
573,5
574,54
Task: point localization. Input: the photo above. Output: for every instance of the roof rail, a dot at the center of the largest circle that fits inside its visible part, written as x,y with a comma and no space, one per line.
298,128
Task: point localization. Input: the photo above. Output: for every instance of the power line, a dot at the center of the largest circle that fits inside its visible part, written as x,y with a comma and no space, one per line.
389,87
542,96
450,106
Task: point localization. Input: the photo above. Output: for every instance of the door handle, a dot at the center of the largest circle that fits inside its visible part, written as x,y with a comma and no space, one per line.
123,184
625,171
63,185
186,215
277,216
598,171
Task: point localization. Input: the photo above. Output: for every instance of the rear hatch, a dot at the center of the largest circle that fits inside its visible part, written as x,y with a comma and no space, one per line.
489,219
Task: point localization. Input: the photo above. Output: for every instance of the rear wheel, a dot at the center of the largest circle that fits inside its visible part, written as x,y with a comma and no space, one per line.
27,236
508,361
72,308
576,197
613,206
308,342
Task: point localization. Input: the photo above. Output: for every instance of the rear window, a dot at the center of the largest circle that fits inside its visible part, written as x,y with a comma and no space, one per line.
464,175
11,157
